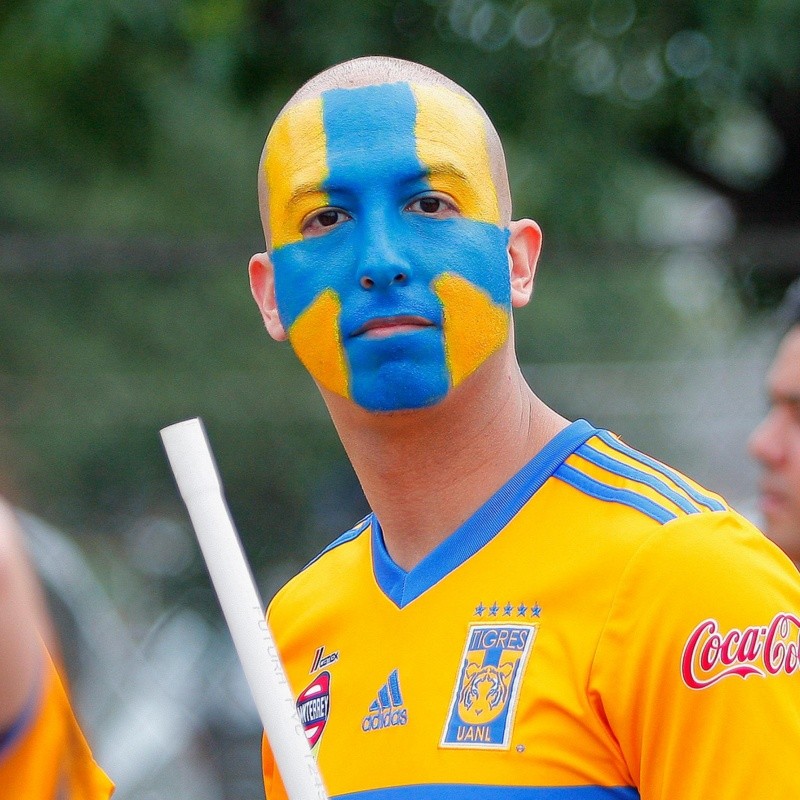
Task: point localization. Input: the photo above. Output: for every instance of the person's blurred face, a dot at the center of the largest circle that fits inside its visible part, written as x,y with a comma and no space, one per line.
775,443
390,260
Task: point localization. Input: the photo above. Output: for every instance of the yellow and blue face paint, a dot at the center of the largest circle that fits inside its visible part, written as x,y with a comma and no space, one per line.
371,152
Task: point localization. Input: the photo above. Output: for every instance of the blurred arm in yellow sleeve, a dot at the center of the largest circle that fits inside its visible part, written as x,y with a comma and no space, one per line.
43,753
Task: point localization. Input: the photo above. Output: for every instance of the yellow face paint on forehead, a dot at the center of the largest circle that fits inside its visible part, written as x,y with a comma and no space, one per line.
295,168
452,144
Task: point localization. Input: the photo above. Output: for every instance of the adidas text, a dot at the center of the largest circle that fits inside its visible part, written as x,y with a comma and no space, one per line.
384,719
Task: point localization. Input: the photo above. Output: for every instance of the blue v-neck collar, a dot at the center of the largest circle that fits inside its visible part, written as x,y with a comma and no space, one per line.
402,587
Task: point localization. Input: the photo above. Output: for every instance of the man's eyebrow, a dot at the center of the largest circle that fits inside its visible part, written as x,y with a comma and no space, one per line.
445,168
302,191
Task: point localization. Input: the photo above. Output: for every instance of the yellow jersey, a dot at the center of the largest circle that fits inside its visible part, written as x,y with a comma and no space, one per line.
45,756
602,628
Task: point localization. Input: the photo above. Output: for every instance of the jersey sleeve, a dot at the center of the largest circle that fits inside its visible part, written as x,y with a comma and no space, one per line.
697,671
273,785
49,757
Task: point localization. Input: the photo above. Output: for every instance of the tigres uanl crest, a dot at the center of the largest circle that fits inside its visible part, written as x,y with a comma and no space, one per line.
485,694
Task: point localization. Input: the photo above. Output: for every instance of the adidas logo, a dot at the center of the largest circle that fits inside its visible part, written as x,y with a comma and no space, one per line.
388,709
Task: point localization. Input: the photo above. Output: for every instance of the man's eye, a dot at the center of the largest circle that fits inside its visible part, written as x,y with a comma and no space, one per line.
328,218
432,205
323,220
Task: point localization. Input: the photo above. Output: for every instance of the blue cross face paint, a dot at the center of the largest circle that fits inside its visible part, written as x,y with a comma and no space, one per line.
391,266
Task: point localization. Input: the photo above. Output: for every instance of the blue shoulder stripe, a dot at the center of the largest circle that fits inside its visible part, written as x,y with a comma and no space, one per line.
704,500
347,536
616,467
466,791
612,494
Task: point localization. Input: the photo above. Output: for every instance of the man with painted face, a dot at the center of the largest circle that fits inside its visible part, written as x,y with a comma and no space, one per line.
533,609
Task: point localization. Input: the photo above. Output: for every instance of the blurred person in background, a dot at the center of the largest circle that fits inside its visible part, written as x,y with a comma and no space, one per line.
775,443
43,753
533,608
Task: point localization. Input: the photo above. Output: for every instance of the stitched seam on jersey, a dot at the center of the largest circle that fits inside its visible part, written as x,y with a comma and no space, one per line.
704,500
347,536
616,467
611,608
402,588
613,494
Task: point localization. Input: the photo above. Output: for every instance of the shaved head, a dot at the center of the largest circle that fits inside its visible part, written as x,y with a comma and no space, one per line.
375,70
392,262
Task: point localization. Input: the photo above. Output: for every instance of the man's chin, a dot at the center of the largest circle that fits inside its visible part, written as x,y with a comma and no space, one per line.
398,376
784,532
403,402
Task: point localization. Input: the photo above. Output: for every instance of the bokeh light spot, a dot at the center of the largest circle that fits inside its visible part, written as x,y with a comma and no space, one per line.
612,17
491,27
688,53
595,68
641,77
533,25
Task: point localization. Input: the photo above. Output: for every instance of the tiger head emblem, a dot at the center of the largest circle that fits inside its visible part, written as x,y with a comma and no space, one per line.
484,691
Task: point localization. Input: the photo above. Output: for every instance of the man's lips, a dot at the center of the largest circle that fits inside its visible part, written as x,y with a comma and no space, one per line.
772,498
771,502
381,327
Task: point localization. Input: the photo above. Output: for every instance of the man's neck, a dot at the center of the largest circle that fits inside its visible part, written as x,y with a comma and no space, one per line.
426,472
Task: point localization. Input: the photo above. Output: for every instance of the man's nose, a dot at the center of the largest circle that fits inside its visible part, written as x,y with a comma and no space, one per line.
382,263
765,444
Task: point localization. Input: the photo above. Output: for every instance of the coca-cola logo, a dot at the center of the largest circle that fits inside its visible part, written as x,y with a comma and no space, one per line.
711,655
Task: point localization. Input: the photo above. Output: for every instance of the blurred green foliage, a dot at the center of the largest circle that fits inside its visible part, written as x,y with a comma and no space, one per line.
123,119
151,115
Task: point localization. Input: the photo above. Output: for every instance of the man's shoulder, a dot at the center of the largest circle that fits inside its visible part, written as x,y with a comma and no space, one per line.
605,469
349,536
324,572
714,565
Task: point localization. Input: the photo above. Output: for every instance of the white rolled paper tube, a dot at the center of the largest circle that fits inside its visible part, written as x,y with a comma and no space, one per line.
199,483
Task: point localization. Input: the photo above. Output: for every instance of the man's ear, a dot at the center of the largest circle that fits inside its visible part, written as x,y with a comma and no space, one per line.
524,246
262,285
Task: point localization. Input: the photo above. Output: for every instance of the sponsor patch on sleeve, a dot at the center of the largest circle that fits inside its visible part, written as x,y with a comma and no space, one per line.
711,654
